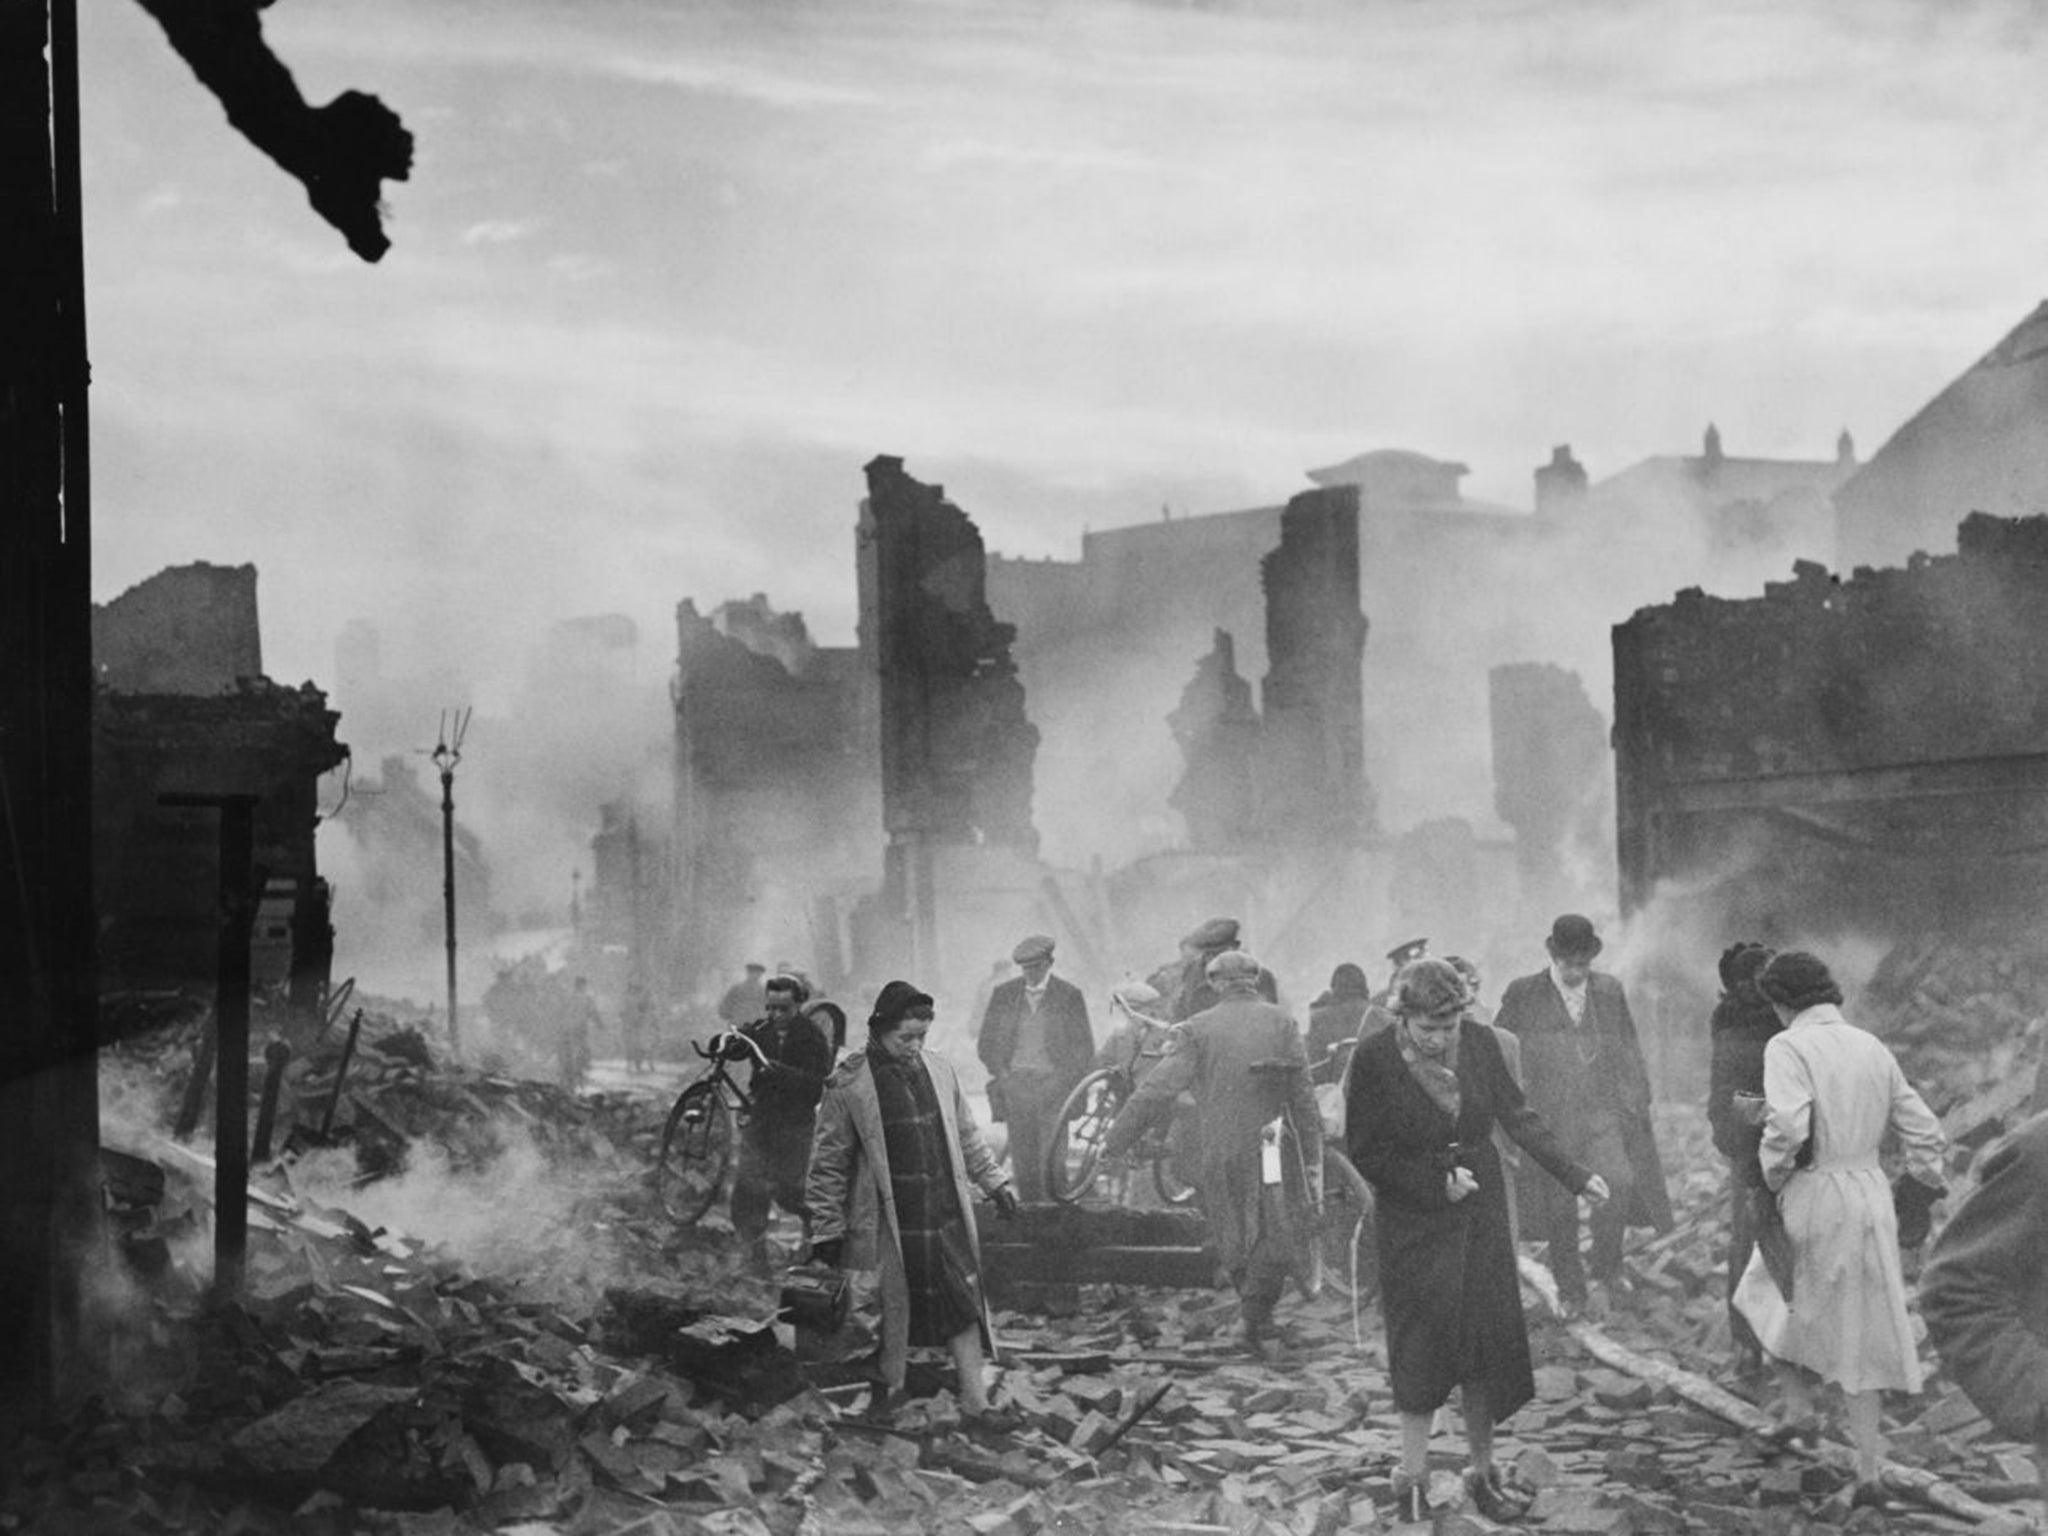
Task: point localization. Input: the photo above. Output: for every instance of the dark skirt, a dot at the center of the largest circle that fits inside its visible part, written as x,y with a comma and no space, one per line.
1452,1300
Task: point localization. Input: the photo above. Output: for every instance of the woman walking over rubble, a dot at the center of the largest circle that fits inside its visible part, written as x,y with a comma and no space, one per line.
1831,1092
1421,1102
893,1170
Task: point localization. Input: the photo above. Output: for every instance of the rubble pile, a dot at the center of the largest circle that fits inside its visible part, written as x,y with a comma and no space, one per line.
1964,1018
369,1381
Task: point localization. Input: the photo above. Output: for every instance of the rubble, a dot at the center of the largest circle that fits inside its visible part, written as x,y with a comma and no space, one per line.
367,1380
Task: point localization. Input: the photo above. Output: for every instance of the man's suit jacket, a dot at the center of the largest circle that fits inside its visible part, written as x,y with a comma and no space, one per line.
1575,1073
1064,1012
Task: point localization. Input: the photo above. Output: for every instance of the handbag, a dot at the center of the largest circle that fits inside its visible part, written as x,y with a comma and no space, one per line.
1913,1205
1773,1242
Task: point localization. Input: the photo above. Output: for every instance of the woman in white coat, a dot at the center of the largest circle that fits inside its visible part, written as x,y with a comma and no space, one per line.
894,1167
1838,1088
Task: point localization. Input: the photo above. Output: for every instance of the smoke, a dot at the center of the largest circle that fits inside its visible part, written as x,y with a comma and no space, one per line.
522,1213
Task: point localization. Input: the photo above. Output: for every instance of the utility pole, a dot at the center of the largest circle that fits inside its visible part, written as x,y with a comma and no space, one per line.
447,753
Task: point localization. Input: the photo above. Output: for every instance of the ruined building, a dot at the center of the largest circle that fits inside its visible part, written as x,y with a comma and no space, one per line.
183,708
1980,445
1863,759
1292,775
1550,780
1216,727
777,803
1455,586
956,748
1312,778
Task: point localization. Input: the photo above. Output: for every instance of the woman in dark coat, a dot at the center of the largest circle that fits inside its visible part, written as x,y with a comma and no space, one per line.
1421,1102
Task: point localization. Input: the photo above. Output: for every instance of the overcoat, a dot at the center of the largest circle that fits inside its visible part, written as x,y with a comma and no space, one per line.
1984,1292
1064,1013
1448,1285
1245,1062
1841,1087
850,1197
1571,1073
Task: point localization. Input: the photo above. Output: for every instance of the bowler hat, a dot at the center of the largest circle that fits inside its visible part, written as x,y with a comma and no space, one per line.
1572,938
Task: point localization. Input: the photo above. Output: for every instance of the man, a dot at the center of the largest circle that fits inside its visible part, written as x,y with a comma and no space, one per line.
1186,985
1584,1074
744,1000
1036,1042
775,1145
1246,1063
1985,1291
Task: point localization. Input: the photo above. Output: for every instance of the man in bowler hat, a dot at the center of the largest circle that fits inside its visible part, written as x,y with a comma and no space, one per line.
1583,1072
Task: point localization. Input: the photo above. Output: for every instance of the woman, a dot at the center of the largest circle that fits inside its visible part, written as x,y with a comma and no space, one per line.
1827,1082
893,1170
1421,1102
1742,1024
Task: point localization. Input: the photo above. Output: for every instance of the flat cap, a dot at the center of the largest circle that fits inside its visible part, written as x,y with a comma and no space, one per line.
1217,933
1037,947
1232,965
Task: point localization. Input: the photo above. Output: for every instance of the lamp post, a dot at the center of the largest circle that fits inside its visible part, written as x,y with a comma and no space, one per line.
447,753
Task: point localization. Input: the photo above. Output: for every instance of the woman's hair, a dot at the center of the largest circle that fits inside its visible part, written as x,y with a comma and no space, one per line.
1798,981
1348,980
893,1004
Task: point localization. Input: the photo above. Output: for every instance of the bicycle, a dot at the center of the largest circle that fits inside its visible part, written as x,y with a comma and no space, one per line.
700,1141
1344,1239
1073,1154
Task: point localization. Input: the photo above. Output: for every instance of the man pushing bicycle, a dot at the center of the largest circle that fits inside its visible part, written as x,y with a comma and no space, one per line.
792,1058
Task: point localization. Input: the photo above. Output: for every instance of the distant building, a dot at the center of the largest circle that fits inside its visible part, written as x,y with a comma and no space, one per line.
1980,445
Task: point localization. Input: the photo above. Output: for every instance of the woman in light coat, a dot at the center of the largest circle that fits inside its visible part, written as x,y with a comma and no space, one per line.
1839,1088
894,1167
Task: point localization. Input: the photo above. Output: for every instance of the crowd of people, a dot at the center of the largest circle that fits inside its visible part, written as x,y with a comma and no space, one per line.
1445,1107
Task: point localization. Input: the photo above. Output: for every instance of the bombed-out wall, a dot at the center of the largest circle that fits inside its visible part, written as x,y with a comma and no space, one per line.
777,797
187,629
156,868
956,748
1842,762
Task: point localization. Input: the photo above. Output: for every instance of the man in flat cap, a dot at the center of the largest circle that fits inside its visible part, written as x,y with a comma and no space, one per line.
1247,1065
1583,1072
1187,987
1036,1042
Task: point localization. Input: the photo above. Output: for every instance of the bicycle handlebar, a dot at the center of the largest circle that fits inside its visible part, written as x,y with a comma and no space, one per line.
715,1049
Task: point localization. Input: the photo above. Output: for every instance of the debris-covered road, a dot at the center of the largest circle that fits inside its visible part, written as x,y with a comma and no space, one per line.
568,1361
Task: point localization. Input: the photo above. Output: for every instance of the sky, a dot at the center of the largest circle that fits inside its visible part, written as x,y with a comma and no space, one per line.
666,276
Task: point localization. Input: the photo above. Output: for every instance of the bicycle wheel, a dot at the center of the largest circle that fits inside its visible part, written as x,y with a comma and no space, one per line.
1350,1266
696,1152
1179,1152
1073,1152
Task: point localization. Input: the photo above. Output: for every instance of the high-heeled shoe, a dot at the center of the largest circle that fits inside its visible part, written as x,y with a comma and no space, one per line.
1495,1496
